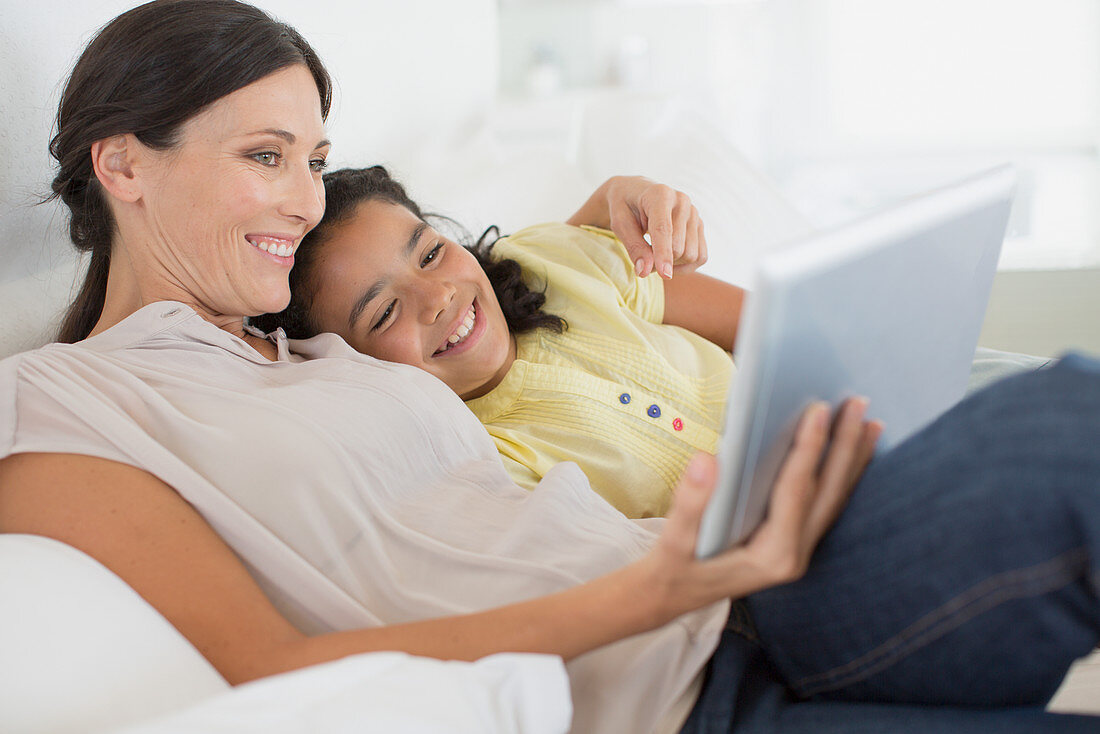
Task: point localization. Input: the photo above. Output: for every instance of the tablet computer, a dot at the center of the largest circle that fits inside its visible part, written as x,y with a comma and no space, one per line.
889,307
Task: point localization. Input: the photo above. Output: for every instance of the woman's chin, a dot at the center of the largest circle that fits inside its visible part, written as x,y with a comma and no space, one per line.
269,304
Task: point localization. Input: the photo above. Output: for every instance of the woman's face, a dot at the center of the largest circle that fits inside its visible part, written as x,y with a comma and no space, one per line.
226,208
395,289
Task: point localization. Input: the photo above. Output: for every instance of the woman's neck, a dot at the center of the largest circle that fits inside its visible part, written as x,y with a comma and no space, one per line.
127,292
123,295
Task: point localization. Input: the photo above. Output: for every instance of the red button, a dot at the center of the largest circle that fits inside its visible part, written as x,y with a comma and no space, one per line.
678,424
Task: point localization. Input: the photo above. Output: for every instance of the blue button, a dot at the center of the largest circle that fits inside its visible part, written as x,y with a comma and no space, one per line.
654,411
624,398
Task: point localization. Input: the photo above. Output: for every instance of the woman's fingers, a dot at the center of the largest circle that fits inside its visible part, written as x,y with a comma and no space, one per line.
813,484
836,468
796,482
852,445
871,433
795,486
688,502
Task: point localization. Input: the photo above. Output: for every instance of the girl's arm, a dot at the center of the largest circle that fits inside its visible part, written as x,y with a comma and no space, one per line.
143,531
707,306
633,206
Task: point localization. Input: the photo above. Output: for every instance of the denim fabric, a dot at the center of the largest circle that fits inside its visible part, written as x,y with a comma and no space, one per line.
954,592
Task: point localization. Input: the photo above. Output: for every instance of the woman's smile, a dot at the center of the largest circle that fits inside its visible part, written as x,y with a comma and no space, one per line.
277,247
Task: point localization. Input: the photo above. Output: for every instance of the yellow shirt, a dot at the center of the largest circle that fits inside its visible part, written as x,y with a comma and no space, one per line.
627,398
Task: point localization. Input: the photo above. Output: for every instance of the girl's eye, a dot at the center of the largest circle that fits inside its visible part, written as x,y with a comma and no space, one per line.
267,158
432,255
318,165
384,317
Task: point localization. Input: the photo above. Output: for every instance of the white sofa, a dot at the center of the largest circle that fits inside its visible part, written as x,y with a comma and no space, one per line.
79,650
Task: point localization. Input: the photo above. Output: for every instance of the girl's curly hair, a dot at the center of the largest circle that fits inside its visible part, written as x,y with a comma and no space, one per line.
345,189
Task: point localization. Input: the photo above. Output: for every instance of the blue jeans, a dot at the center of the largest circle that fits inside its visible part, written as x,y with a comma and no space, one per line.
954,592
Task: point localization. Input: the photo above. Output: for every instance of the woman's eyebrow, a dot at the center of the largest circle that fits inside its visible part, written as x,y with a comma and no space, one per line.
287,136
371,293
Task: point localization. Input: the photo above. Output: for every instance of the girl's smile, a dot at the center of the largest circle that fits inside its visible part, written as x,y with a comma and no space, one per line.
464,336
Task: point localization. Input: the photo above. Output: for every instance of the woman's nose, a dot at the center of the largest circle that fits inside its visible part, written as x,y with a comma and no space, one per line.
304,197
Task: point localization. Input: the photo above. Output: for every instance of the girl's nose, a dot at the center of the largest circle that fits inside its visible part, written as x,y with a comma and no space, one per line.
438,296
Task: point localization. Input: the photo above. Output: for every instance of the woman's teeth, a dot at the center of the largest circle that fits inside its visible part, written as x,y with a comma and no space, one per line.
463,329
273,246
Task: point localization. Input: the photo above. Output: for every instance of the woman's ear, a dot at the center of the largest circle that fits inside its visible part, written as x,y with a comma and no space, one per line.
113,161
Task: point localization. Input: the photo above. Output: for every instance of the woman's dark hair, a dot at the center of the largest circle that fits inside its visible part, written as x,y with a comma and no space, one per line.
147,72
345,190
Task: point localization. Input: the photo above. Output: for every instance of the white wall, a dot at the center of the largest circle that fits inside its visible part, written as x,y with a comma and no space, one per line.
846,105
850,104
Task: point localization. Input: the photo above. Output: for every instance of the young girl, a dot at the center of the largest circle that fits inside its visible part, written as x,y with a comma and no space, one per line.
626,376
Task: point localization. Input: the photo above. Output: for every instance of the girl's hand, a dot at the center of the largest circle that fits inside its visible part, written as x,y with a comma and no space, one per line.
812,488
633,207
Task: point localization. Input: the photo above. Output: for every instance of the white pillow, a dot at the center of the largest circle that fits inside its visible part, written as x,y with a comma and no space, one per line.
389,692
80,651
32,306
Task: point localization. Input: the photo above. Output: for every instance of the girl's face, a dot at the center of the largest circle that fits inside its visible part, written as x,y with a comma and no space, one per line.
224,210
395,289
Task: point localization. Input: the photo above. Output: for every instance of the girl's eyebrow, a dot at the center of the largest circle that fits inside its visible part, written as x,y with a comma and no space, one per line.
376,287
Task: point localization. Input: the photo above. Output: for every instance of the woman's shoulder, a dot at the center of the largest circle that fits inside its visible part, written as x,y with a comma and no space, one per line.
22,396
59,396
18,370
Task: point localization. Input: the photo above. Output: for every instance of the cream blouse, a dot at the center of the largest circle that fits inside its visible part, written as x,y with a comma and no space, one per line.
358,492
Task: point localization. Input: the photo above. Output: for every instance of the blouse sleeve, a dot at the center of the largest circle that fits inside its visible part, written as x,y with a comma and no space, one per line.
575,260
48,406
8,370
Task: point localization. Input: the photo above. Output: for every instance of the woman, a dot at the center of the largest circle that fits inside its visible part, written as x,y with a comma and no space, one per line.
365,502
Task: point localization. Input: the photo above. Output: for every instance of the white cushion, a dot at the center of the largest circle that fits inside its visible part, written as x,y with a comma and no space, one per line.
80,651
32,307
390,692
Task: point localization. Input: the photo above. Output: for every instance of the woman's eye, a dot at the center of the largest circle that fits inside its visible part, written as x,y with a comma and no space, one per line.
432,255
318,165
384,317
267,158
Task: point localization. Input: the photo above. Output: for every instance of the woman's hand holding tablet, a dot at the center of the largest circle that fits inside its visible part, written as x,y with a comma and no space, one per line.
812,487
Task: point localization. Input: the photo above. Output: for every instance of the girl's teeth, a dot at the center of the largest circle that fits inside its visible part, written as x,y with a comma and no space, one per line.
459,335
464,329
